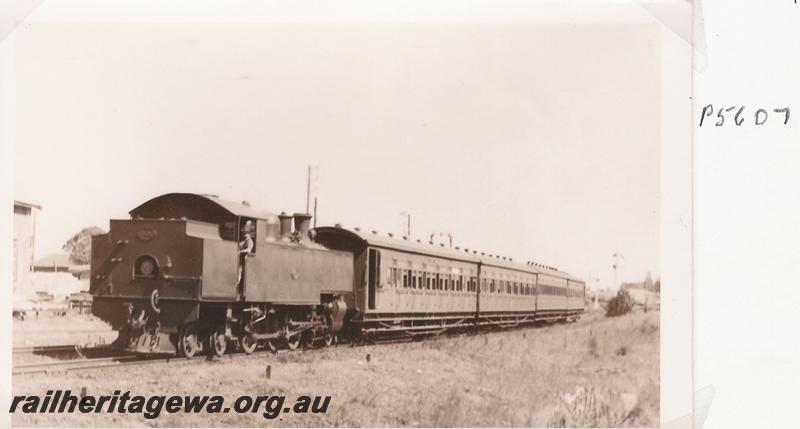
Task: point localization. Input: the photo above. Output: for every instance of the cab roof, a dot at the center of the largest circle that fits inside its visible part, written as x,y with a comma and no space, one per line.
203,207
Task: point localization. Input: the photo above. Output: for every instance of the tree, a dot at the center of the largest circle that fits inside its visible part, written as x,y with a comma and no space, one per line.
79,247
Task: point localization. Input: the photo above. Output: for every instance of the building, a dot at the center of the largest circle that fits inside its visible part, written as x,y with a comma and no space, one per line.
53,263
24,237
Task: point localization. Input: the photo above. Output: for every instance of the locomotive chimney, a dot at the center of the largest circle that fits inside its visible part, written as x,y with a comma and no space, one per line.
286,227
302,223
273,229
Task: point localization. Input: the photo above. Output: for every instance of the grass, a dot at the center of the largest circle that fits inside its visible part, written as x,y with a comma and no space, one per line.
568,375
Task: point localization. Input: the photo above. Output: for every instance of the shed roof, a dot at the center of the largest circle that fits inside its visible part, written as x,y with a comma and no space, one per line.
28,205
53,260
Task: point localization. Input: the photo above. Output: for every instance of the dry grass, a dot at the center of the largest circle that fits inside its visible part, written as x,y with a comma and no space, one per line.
561,376
49,329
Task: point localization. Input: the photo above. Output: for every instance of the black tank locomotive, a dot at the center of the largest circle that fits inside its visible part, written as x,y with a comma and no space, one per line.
172,279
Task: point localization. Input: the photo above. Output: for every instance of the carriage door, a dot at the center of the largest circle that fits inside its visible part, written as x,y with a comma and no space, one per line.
373,277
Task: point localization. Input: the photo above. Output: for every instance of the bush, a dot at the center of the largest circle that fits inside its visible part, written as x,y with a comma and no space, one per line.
620,304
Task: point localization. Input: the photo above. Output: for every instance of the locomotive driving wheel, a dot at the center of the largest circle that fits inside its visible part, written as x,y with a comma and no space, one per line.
328,338
293,342
248,342
217,342
188,342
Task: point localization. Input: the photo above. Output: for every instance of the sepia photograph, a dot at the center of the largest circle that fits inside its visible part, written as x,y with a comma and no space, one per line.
357,218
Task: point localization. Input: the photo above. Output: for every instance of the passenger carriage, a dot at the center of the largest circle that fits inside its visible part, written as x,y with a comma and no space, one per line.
408,287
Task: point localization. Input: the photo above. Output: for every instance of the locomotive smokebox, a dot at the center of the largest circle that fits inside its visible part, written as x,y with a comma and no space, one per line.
286,226
302,222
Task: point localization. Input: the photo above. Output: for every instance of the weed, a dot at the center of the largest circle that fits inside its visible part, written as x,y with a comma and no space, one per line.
592,408
621,304
593,346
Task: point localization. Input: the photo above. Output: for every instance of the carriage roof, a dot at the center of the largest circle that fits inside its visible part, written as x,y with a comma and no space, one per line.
424,248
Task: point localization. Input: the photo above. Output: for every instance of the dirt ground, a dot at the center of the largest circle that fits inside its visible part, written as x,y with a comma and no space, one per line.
597,372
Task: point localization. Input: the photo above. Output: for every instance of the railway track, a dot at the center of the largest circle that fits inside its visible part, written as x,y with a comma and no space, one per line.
83,362
64,366
61,350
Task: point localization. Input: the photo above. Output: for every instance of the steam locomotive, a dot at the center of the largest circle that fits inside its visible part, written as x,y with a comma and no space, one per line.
174,279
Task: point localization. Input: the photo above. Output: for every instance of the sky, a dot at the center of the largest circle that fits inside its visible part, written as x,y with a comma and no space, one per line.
533,141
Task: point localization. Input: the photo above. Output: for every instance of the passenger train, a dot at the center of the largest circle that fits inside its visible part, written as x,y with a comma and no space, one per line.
174,279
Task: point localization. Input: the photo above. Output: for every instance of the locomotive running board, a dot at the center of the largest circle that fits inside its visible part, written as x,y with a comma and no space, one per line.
432,328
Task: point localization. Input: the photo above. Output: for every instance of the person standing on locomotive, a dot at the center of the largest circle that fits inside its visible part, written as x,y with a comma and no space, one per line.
245,248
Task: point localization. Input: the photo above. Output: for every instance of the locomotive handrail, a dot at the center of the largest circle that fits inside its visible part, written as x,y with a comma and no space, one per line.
171,277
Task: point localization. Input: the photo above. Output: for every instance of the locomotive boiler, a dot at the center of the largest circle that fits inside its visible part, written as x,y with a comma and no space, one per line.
174,278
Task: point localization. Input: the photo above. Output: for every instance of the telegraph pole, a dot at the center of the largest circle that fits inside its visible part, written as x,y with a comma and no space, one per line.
617,259
308,189
405,223
315,212
596,291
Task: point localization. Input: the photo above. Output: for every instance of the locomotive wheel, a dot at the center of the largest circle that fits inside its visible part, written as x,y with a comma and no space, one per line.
272,347
294,342
307,340
248,343
217,342
188,343
328,338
